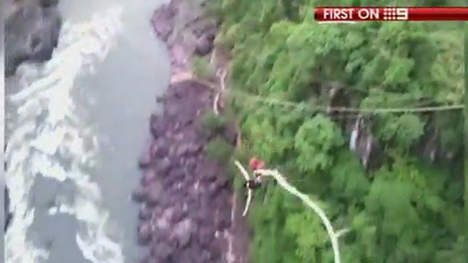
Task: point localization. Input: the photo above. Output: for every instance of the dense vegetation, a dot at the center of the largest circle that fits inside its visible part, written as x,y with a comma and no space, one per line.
408,208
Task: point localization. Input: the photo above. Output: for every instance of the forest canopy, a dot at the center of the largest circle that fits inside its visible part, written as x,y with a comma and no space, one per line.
408,207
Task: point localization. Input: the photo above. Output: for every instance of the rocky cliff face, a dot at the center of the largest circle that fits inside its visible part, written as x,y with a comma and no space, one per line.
188,211
31,32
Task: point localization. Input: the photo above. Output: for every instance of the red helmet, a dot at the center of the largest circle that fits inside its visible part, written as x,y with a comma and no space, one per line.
255,164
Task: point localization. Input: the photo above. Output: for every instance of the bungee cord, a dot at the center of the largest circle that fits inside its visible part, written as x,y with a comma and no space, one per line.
282,182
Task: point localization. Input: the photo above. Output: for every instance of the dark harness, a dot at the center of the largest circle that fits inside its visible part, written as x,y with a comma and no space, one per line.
253,183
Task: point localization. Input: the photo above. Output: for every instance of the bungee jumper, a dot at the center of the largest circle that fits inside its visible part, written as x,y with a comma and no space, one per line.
251,183
256,182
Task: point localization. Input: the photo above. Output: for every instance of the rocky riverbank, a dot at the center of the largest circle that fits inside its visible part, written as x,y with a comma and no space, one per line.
32,28
188,210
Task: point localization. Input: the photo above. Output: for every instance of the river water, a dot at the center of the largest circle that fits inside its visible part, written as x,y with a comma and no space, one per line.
76,126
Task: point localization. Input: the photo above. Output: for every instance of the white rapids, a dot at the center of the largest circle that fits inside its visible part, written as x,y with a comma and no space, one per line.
44,123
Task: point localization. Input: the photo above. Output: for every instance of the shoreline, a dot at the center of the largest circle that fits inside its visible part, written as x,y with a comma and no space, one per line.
188,210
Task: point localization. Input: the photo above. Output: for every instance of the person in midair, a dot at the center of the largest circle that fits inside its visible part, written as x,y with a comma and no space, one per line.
250,183
256,182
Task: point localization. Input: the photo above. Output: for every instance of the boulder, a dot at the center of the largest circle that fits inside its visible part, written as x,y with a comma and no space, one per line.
163,166
160,148
182,233
188,149
144,233
163,21
223,220
154,128
145,160
161,251
144,212
178,215
31,33
205,236
153,193
149,175
203,46
139,195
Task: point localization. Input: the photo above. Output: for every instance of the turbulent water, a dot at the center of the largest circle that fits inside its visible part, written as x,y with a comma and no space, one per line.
67,183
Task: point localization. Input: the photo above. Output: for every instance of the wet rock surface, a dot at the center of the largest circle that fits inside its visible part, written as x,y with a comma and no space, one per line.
31,32
7,213
181,211
185,198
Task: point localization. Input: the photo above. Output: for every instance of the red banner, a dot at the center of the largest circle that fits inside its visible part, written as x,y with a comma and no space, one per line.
343,14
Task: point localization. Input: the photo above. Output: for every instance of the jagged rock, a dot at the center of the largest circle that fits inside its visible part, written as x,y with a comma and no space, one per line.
191,164
178,174
222,182
145,212
31,34
213,189
161,251
204,46
188,148
159,148
163,166
145,160
178,215
206,256
205,236
153,193
144,233
193,254
161,99
154,126
139,195
223,220
149,175
163,21
182,232
185,217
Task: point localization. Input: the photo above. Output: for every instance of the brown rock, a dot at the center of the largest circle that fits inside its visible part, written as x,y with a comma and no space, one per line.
159,148
178,215
144,212
145,160
153,193
144,233
213,189
161,251
163,166
149,175
188,149
138,195
205,236
154,126
182,232
204,46
222,182
163,21
223,220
